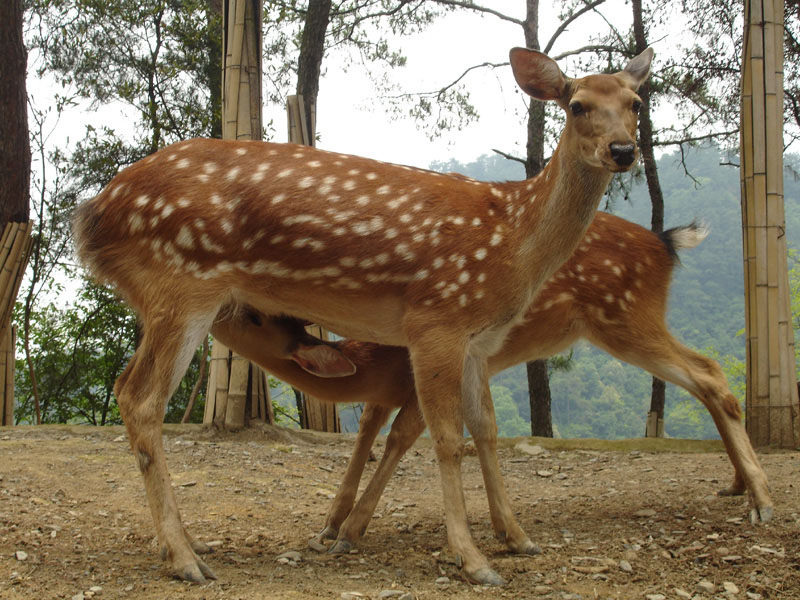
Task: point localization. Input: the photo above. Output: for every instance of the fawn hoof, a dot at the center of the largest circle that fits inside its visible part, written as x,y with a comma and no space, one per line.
486,576
761,514
340,547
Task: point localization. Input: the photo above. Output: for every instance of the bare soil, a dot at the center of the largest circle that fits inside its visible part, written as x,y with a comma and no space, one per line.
615,520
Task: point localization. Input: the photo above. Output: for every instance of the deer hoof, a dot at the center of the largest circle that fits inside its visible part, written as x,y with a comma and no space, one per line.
197,572
528,547
486,576
340,547
761,515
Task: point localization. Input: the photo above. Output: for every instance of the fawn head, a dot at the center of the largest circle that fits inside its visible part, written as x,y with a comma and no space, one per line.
602,110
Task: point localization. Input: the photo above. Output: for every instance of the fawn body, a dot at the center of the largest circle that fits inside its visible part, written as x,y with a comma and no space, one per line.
616,257
442,265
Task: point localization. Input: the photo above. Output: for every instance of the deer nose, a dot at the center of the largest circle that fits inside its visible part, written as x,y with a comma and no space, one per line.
623,154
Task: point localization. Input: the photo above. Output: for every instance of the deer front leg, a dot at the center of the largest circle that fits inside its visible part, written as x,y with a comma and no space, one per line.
372,419
480,420
142,391
406,428
438,366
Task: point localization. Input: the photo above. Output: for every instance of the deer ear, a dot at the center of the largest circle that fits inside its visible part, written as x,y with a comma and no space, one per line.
638,70
323,361
538,75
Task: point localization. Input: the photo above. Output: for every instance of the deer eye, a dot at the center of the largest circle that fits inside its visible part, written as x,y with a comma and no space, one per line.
636,106
577,108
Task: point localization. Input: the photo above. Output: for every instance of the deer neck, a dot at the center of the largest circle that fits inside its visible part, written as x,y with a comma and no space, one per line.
563,202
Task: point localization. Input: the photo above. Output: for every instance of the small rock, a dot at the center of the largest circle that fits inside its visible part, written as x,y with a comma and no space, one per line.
526,448
644,513
706,587
544,473
442,580
119,438
656,597
290,556
754,596
541,590
78,597
398,594
682,594
128,588
352,595
21,555
96,590
730,587
625,566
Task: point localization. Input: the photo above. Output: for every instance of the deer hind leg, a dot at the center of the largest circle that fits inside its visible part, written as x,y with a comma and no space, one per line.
703,378
480,420
372,419
142,392
408,425
438,364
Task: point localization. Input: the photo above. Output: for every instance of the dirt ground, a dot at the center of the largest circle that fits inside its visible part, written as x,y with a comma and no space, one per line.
615,520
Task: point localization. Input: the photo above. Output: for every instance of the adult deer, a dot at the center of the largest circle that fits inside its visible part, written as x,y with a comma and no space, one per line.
612,292
376,252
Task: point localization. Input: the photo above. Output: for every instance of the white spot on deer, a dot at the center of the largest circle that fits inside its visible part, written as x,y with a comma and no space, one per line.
367,263
295,219
382,258
458,220
583,248
476,222
462,299
495,192
616,270
463,277
209,167
629,296
622,244
278,198
172,156
347,261
440,285
284,173
638,283
339,231
404,251
208,244
362,200
185,239
346,282
302,242
371,176
421,274
405,218
183,203
438,262
393,204
390,233
639,267
215,199
241,151
182,163
481,277
609,298
353,172
579,268
141,201
418,238
496,239
349,185
383,190
607,262
306,182
155,244
199,224
314,164
135,223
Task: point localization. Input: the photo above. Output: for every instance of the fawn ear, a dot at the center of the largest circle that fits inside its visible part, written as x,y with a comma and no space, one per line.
323,360
638,70
538,75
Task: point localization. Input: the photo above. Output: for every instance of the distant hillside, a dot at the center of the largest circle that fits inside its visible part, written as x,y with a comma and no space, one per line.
601,397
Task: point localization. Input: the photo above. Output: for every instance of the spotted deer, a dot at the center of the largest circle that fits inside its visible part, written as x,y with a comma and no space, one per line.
441,265
612,292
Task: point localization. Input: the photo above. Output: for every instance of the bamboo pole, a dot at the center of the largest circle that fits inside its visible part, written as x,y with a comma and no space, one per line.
773,415
229,385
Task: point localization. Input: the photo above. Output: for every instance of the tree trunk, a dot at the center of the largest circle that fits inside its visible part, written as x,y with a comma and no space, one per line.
15,151
538,381
655,419
214,67
312,49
